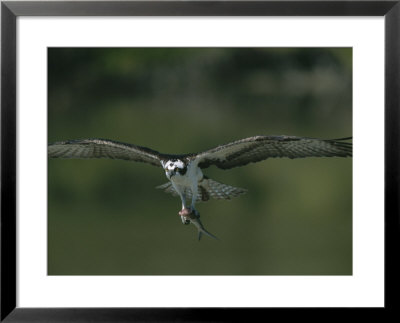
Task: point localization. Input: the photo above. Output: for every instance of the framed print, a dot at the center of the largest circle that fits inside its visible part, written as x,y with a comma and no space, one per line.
197,89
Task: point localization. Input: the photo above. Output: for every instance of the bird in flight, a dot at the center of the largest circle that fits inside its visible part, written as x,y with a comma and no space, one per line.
185,171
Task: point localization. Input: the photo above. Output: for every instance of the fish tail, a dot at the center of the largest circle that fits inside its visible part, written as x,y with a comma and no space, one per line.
201,231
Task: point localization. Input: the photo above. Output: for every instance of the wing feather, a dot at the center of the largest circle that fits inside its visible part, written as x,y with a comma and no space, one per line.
102,148
258,148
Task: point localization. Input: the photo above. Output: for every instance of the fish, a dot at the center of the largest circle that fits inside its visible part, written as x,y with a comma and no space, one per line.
194,217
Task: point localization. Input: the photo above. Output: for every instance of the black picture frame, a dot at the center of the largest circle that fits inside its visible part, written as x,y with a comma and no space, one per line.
10,10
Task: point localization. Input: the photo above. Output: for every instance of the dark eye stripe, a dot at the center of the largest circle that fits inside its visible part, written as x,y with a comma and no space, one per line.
183,170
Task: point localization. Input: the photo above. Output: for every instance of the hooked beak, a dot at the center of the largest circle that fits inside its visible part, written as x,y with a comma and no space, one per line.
169,173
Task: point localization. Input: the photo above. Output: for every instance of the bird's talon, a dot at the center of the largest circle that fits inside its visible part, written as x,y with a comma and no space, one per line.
184,212
185,215
188,214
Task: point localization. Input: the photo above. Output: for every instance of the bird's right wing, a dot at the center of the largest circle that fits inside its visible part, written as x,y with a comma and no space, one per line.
258,148
102,148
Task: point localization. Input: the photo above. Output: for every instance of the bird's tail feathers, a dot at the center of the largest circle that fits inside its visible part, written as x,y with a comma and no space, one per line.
168,188
207,188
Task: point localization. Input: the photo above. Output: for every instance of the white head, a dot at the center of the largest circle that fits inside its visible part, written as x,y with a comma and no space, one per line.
174,167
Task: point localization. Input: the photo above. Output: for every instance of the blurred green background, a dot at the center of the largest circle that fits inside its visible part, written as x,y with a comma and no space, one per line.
105,217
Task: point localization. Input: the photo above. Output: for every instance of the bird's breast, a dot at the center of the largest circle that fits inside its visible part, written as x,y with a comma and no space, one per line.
192,176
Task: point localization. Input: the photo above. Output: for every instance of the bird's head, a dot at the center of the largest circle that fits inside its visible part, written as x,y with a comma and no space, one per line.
175,168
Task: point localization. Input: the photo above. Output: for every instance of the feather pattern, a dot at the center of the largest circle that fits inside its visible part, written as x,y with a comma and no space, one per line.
258,148
101,148
234,154
207,188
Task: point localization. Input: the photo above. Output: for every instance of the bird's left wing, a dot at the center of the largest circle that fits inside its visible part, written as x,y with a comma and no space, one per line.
102,148
254,149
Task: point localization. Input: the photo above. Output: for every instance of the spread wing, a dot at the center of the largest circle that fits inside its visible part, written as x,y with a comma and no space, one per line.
254,149
101,148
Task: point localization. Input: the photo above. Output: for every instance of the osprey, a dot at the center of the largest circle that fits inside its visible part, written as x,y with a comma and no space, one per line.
184,172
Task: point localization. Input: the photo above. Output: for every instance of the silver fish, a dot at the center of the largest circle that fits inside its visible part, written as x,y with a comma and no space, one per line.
194,217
